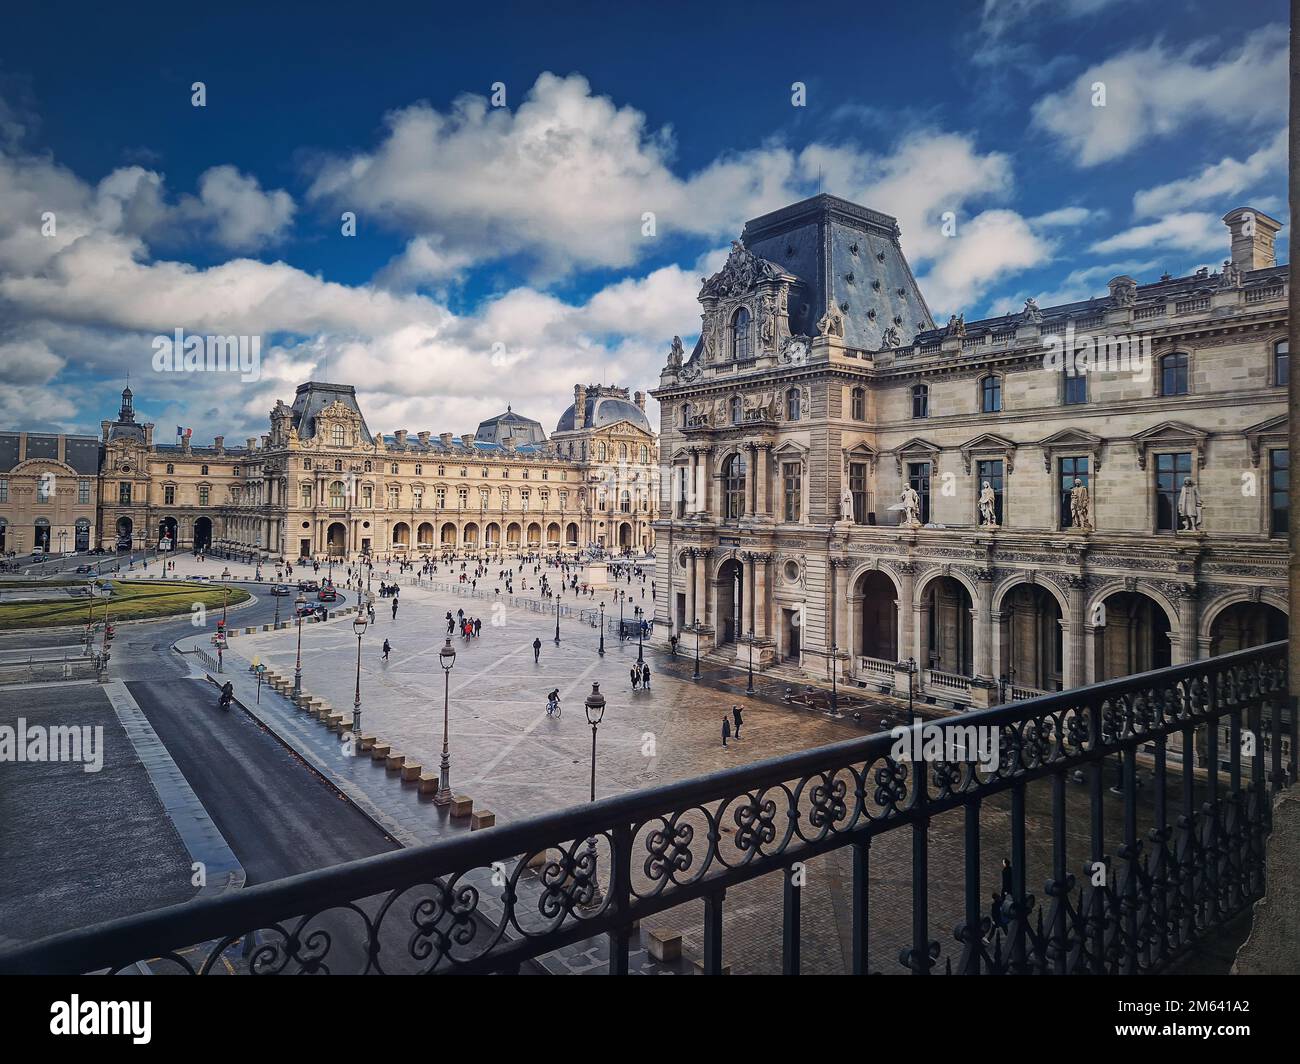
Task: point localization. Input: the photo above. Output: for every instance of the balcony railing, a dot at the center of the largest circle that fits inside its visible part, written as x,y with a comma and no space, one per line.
877,669
492,900
947,681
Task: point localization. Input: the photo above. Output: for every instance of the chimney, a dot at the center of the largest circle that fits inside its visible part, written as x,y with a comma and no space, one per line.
104,426
579,407
423,438
640,400
185,445
220,443
148,435
400,437
252,444
467,440
446,438
1253,233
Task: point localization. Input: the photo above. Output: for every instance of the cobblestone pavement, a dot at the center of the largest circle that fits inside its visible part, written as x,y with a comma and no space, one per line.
512,759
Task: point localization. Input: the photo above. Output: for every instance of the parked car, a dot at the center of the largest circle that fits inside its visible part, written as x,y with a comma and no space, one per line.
328,594
281,589
85,569
308,609
308,585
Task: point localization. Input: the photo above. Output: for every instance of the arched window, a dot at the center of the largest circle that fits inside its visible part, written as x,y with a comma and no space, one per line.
733,476
920,400
602,452
645,454
737,409
858,404
741,343
792,403
1282,363
1173,374
337,495
991,395
622,451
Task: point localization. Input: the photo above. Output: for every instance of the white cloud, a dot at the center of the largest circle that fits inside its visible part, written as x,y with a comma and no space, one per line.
1217,182
1000,18
992,245
1153,93
1183,231
239,214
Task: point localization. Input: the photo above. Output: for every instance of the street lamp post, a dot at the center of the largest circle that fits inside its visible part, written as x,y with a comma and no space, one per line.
557,621
297,668
835,700
446,658
910,666
358,626
595,707
639,652
749,687
602,628
697,650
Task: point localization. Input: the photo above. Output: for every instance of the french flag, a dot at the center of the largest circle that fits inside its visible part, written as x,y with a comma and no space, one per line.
184,434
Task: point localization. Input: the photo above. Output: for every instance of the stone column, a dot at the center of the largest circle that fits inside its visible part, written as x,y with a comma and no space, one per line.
981,636
760,596
1189,616
761,477
1076,638
906,620
702,604
842,638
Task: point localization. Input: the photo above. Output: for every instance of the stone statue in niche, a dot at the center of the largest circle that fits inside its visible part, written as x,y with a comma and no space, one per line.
911,503
988,506
1190,508
846,504
1080,506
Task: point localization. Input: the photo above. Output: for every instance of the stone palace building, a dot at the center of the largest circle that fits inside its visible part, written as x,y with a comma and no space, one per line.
1020,504
321,483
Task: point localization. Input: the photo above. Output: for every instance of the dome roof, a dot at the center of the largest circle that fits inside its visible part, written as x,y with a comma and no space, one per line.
602,410
510,426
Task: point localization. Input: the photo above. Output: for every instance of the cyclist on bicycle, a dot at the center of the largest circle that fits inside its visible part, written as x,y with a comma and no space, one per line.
553,703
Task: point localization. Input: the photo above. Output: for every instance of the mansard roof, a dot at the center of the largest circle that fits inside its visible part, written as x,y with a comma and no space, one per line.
314,397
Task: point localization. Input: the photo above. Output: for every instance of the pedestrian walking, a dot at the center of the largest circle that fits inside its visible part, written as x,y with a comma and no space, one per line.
645,675
726,731
537,651
735,715
394,609
636,677
387,649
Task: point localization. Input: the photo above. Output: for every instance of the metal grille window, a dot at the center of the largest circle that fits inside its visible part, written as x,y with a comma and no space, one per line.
733,476
918,478
992,472
792,480
1170,471
1071,468
1279,464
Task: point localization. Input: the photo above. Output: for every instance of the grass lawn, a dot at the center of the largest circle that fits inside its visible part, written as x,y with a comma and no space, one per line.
132,600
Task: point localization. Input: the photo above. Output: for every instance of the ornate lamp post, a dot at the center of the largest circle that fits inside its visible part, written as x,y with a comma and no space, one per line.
639,653
620,615
300,602
358,626
595,707
446,658
277,609
835,699
557,621
602,628
749,687
909,666
697,650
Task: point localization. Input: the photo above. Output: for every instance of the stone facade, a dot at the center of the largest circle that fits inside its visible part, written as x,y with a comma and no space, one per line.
821,406
320,483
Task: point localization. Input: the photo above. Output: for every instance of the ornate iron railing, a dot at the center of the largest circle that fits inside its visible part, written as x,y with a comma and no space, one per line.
493,900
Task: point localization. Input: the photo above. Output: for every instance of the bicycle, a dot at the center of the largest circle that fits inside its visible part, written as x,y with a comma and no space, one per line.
553,708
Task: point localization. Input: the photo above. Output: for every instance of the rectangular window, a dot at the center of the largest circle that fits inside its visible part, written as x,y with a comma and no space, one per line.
1170,471
564,500
124,493
858,405
83,492
921,401
417,498
990,472
440,494
169,495
394,498
203,495
858,486
1279,495
523,498
4,490
546,499
1071,468
462,498
1076,390
306,496
793,484
918,478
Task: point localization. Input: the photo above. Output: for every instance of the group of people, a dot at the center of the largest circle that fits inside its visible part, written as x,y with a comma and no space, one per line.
469,627
641,676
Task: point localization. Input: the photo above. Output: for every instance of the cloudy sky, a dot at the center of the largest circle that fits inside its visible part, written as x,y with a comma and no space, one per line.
500,161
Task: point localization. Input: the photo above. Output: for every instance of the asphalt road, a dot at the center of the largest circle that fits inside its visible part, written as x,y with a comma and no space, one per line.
276,814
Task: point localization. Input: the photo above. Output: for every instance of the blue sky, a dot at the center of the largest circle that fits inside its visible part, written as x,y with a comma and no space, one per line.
499,254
